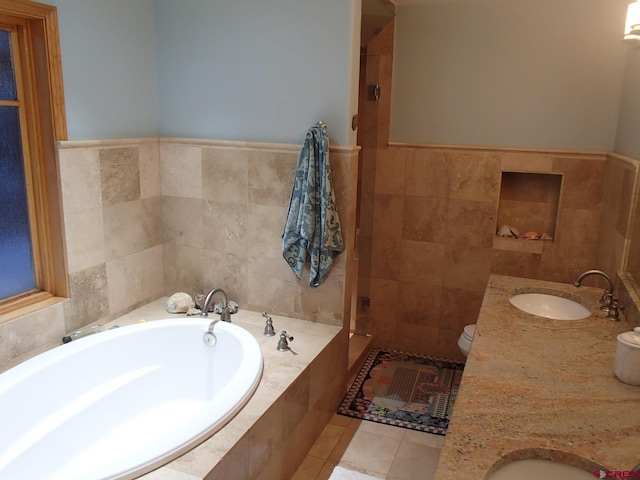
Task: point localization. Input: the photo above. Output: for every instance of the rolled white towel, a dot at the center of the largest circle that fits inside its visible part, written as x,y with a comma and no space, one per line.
340,473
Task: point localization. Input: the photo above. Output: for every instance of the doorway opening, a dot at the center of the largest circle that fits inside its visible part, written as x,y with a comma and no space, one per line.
374,113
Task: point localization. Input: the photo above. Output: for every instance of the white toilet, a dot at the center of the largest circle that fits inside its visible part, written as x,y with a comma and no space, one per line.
464,342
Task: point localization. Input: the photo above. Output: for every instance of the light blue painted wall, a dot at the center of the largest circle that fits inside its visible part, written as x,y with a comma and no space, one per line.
628,136
108,68
515,73
255,70
222,69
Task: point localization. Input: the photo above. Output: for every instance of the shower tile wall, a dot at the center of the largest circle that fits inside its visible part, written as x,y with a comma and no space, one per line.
434,237
618,203
618,228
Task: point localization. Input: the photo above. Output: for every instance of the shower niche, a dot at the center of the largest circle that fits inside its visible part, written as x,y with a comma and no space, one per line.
527,210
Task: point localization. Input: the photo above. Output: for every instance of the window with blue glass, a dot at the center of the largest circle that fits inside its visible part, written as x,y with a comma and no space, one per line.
16,253
33,271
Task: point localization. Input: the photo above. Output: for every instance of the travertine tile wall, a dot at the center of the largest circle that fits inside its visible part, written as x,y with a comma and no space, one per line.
113,227
113,224
215,219
434,237
616,225
224,206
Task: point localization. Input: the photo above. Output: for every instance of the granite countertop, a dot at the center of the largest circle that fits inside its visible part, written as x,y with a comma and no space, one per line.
539,388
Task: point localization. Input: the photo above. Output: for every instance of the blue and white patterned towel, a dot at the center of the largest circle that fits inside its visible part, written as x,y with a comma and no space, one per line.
312,222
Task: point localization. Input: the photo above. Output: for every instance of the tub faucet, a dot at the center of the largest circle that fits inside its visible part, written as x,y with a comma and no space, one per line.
225,315
609,301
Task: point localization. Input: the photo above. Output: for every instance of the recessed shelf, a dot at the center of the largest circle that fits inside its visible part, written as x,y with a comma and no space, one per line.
529,202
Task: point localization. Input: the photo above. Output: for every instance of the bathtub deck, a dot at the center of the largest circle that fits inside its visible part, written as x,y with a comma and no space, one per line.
298,394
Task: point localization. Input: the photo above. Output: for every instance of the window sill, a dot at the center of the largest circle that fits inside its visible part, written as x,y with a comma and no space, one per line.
37,302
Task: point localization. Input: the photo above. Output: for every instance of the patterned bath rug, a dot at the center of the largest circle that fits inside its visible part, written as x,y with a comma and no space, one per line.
405,390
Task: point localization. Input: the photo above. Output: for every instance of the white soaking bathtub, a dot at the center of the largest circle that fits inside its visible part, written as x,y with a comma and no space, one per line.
120,403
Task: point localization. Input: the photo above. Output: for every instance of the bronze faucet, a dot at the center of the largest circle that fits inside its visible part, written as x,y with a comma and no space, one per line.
609,301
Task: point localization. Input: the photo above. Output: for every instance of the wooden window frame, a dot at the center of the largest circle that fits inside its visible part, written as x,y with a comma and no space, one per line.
39,69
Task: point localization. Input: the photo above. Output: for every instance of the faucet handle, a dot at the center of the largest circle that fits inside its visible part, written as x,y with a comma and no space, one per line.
268,328
225,315
607,300
614,310
283,344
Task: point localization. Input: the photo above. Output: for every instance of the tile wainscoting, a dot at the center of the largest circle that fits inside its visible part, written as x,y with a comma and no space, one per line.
148,217
434,234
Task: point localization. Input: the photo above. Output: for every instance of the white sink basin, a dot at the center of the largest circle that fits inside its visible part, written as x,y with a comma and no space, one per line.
535,469
549,306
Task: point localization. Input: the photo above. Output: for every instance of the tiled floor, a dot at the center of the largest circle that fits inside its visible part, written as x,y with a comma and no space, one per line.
392,453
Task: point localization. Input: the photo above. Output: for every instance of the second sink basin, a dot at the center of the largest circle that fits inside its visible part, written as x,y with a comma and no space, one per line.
540,470
550,306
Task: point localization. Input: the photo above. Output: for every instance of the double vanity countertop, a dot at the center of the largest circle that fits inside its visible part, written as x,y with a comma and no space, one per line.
540,388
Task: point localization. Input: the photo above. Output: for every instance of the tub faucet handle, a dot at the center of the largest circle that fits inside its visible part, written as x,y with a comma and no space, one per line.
283,343
268,328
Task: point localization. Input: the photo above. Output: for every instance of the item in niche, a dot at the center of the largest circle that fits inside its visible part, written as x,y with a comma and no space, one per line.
533,235
508,231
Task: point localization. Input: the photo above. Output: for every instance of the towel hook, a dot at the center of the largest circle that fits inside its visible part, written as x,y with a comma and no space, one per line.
322,125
